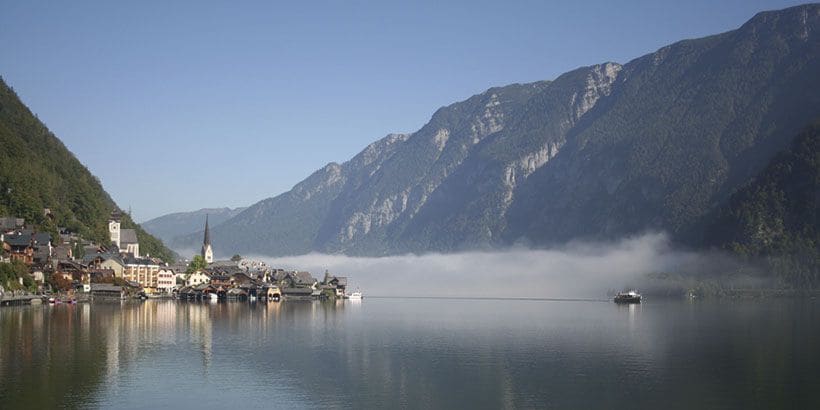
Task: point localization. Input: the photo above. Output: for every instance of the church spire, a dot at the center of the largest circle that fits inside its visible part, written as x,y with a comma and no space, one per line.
207,250
207,240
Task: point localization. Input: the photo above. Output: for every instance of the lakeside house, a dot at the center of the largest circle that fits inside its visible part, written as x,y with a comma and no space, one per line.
143,271
166,281
197,278
107,290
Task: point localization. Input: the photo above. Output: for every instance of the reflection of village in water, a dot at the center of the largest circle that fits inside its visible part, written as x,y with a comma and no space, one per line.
109,338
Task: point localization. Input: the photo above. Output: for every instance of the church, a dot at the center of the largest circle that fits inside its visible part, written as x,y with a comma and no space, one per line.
125,239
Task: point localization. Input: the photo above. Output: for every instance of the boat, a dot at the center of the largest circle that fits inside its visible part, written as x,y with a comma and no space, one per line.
214,297
355,296
52,300
628,297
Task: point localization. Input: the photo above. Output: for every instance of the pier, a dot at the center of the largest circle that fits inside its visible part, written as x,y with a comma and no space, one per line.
17,300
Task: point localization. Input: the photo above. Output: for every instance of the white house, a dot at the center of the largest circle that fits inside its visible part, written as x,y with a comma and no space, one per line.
197,278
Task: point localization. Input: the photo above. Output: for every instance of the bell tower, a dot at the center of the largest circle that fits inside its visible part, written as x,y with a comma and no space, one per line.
114,228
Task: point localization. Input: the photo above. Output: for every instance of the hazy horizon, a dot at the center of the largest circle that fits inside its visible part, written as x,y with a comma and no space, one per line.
578,269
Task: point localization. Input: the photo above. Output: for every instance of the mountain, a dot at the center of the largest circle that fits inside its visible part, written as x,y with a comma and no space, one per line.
604,151
776,216
168,227
37,172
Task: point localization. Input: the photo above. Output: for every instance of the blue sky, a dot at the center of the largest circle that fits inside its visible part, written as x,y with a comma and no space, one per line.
181,106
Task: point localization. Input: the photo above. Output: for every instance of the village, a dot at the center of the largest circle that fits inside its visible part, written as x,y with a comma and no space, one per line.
71,269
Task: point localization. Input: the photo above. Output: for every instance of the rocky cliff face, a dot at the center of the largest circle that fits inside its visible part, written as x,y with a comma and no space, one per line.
601,151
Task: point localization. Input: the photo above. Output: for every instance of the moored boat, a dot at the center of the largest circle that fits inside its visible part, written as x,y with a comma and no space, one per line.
628,297
355,296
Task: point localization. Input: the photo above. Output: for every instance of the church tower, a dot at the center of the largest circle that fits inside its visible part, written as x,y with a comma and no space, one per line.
114,227
207,251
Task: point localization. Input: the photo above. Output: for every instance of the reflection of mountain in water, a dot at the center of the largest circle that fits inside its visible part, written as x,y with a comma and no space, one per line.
55,356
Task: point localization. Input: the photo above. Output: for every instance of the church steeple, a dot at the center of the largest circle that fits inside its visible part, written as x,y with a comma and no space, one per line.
207,240
207,250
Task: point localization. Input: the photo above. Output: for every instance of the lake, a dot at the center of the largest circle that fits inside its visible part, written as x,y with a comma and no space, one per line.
420,353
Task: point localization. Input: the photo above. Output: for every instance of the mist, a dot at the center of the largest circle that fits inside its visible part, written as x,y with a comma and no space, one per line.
577,270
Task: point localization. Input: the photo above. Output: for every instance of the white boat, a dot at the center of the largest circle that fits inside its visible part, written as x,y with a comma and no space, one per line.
628,297
214,297
355,296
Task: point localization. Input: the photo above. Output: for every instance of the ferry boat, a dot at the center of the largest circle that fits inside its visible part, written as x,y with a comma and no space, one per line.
628,297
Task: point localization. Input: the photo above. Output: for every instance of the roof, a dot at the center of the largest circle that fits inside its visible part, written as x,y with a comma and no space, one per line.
241,277
42,238
11,222
18,240
179,267
201,272
131,260
115,258
216,264
61,251
297,291
101,272
302,278
202,286
128,236
104,256
70,264
105,287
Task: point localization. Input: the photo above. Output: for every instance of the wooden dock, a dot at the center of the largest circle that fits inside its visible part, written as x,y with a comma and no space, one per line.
17,300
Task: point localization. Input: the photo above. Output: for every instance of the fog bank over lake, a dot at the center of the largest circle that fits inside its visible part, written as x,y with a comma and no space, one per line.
575,270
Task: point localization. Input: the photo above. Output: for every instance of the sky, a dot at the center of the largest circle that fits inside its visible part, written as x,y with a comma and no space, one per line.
178,106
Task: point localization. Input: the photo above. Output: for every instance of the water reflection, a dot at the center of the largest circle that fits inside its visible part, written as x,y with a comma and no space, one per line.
410,352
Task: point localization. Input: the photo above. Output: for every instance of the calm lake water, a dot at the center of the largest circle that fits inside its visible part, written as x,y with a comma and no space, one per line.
428,353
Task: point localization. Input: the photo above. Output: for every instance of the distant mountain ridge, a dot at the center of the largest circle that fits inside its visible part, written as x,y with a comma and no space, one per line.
604,151
170,226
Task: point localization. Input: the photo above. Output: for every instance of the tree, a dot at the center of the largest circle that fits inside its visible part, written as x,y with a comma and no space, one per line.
78,250
58,282
197,263
236,258
10,274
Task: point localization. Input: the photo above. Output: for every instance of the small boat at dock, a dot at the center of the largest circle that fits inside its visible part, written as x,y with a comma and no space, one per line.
628,297
355,296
